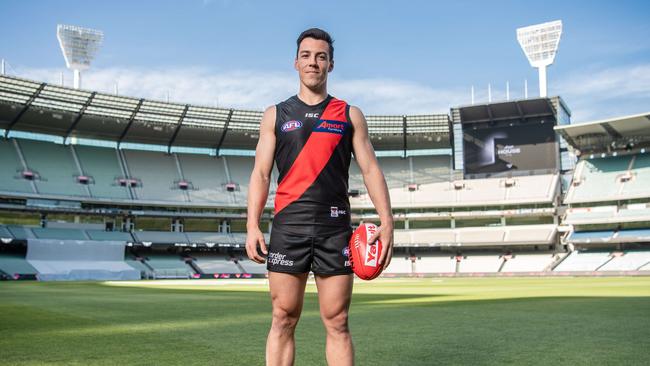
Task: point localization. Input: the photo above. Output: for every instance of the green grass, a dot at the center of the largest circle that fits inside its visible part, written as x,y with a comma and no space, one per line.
456,321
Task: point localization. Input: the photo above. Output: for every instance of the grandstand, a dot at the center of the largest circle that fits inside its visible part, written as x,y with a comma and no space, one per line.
169,182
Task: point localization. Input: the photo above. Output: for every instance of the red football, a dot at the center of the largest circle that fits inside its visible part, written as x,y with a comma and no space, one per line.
363,255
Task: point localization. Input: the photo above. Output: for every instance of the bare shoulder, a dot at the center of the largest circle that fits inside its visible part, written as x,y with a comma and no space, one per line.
356,117
268,118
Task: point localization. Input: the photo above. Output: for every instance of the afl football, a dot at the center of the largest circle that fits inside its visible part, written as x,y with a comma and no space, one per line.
363,255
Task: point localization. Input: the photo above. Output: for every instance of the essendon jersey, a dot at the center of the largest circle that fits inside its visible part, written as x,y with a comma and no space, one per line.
312,153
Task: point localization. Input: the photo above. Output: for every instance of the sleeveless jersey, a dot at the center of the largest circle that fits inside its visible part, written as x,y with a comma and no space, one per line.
312,153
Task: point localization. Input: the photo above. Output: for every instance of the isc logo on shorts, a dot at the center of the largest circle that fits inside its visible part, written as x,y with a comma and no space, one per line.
291,126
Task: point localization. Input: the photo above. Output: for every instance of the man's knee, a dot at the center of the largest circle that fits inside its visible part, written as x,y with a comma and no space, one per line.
336,323
285,321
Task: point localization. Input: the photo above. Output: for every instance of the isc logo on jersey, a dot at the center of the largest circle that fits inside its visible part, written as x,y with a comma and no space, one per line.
291,126
330,126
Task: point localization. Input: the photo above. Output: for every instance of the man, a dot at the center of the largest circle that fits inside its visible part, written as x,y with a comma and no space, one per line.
311,137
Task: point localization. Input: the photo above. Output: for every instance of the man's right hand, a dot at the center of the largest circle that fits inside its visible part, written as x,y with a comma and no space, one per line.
254,237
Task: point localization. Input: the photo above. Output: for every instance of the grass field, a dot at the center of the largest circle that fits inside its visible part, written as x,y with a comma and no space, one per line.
455,321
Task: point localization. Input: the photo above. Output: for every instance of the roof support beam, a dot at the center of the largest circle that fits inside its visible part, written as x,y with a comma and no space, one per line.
178,127
25,108
78,117
404,134
128,125
225,130
489,113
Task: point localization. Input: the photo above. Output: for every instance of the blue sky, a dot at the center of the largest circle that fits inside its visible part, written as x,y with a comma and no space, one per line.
392,57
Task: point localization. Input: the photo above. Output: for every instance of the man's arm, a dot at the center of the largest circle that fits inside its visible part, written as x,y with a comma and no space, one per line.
258,188
374,180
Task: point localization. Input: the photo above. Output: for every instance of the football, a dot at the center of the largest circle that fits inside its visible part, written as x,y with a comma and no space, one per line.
363,255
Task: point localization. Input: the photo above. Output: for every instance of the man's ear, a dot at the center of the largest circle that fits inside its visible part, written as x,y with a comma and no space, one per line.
331,66
295,64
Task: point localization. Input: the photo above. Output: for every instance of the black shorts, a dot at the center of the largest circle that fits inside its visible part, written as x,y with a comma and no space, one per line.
326,255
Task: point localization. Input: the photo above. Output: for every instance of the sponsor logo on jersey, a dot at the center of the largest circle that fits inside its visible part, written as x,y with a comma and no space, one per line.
312,115
291,126
371,249
346,251
279,259
330,126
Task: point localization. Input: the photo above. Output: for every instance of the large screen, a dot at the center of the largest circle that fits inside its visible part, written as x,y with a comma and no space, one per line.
504,148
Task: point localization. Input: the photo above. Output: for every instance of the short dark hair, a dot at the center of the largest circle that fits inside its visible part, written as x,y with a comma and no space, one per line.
316,33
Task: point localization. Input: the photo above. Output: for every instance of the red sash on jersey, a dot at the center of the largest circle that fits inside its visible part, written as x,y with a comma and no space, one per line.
314,155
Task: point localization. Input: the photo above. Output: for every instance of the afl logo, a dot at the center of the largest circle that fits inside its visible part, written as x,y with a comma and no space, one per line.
346,252
291,125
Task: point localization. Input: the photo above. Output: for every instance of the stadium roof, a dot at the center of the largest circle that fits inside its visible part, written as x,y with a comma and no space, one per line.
510,110
32,106
626,132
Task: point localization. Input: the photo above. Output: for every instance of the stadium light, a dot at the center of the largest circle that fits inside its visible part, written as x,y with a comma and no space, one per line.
540,42
79,46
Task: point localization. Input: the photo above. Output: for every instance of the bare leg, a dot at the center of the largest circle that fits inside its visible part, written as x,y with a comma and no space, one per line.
334,296
287,293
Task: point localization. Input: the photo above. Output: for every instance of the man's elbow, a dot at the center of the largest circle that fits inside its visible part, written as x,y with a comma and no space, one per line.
372,171
260,176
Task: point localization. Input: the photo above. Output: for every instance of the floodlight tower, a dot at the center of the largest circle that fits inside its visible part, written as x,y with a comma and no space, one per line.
79,46
539,43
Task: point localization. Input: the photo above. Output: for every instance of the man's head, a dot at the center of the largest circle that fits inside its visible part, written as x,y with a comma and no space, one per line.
314,57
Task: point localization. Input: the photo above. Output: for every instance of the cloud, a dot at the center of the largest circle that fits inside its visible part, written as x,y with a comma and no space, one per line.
591,93
608,92
252,89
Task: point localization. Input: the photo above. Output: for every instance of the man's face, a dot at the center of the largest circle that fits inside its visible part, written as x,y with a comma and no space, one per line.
313,62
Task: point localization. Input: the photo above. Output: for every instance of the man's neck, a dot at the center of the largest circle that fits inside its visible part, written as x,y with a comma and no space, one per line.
312,97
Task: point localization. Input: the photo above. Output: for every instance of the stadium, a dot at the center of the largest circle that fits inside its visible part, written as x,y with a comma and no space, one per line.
503,208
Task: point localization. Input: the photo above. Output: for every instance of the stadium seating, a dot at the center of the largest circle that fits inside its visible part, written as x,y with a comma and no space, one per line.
601,236
157,173
638,185
145,272
610,178
109,235
627,261
10,174
583,261
528,262
20,232
103,166
430,169
211,263
55,166
517,234
474,192
168,266
207,176
160,237
63,234
252,267
436,264
478,263
5,235
240,168
399,265
13,264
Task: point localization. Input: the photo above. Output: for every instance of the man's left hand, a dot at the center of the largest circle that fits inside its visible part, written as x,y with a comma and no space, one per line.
385,234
